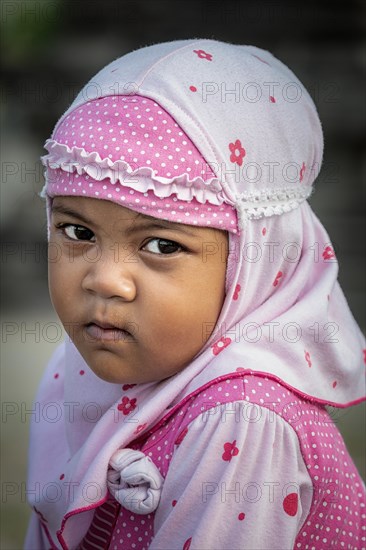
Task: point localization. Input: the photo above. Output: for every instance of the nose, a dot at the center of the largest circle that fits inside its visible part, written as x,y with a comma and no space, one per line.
108,278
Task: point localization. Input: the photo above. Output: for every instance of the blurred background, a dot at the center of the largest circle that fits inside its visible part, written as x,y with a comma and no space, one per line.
49,51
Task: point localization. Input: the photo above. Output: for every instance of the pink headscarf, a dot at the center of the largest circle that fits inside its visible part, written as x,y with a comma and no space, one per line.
256,135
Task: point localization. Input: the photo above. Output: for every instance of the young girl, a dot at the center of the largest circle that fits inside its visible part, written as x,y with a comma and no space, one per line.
207,331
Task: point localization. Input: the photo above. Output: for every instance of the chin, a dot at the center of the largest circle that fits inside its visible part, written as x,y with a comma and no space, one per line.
111,375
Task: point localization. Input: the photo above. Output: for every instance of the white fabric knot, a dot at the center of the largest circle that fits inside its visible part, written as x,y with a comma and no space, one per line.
134,481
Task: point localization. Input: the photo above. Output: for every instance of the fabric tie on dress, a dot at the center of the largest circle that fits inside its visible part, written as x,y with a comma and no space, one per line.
134,481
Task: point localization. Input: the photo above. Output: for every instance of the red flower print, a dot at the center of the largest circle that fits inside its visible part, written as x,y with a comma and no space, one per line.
264,231
193,88
236,292
302,171
203,55
56,375
290,504
127,405
187,544
335,384
364,356
237,152
307,358
272,99
140,428
220,345
181,436
277,279
241,516
126,387
230,450
328,253
174,502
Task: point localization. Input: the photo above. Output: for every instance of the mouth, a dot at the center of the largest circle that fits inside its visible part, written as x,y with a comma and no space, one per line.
97,331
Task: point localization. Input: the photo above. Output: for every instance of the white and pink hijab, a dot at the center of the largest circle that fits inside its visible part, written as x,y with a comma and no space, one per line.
212,134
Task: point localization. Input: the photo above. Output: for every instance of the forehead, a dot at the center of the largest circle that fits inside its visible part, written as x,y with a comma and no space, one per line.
93,209
104,213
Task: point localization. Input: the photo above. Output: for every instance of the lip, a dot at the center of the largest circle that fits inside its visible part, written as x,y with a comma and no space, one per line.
104,324
104,331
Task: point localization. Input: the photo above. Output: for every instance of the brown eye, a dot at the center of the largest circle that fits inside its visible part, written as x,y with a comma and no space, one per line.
78,232
162,246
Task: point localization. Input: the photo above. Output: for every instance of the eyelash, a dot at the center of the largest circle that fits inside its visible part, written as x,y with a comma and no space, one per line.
65,226
169,242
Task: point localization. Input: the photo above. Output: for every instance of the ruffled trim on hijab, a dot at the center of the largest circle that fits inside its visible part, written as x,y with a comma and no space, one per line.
185,187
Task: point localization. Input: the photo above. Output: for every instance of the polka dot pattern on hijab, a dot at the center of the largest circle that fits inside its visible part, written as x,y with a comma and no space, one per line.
140,135
136,130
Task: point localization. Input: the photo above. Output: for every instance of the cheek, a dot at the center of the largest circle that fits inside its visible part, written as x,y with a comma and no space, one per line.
61,283
56,291
184,317
209,297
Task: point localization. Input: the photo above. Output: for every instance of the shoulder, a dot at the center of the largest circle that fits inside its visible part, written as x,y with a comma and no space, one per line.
232,459
250,395
236,409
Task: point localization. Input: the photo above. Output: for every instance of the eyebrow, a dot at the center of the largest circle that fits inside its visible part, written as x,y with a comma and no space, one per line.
70,212
135,227
157,224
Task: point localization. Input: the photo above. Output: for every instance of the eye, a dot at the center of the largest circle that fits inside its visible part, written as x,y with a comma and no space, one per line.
162,246
76,232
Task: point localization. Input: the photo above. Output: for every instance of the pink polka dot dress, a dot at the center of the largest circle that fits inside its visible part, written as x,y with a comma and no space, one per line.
249,463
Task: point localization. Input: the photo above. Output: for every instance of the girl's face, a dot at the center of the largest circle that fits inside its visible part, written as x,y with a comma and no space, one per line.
138,296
